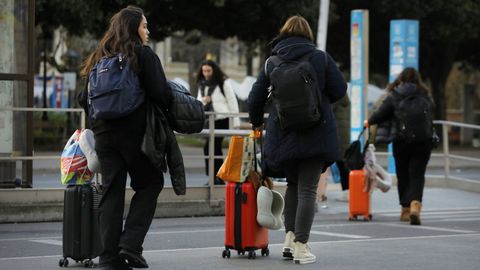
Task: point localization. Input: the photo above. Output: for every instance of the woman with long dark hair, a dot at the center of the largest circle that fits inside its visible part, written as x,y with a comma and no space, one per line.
411,156
216,96
118,144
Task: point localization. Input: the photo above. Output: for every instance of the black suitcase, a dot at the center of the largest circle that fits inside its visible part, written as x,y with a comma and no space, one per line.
81,235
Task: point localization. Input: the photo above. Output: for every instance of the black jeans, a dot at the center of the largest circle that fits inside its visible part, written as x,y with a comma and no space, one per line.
217,148
119,153
411,161
301,195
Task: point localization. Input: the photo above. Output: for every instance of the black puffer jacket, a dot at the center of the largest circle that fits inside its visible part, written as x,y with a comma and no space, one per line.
161,147
321,141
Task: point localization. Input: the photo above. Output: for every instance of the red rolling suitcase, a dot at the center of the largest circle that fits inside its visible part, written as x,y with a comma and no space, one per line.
81,235
242,231
359,199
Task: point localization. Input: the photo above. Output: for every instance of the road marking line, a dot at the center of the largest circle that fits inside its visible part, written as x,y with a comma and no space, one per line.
30,239
462,219
49,242
427,228
31,257
270,245
450,217
354,236
182,232
431,210
438,213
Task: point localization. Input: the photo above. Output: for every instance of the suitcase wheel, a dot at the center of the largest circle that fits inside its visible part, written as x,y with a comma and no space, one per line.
226,253
252,254
352,218
89,264
367,218
265,252
63,262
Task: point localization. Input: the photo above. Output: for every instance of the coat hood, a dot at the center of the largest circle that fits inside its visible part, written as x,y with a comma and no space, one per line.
406,89
293,47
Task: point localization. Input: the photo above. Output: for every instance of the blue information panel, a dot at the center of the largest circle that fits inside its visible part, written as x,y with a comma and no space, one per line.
359,69
403,53
403,46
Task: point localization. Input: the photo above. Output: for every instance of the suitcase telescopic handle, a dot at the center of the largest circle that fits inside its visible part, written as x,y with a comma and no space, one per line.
258,137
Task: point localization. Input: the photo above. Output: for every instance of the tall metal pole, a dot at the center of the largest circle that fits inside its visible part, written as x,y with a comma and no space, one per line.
44,94
322,24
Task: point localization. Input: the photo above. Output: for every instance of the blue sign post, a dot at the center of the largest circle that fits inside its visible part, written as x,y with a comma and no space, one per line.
404,36
359,70
403,46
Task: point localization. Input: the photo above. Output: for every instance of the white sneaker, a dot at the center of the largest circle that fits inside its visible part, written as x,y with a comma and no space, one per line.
302,254
288,245
343,197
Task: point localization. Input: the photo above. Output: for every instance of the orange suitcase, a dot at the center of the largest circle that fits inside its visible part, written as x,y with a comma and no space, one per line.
242,231
359,200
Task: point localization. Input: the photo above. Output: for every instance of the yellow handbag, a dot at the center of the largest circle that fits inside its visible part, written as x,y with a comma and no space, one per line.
239,160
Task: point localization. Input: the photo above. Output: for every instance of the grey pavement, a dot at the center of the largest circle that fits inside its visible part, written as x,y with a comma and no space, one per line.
449,238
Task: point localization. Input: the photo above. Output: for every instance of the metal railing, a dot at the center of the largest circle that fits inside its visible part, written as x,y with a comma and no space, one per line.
211,133
445,152
446,148
23,109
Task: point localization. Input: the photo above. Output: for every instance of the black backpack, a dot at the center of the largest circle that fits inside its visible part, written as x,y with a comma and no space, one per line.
415,118
355,154
295,92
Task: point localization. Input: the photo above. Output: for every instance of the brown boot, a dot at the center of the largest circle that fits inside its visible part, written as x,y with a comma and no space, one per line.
415,208
405,214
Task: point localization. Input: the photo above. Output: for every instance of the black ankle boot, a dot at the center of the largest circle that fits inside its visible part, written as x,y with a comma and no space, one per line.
133,259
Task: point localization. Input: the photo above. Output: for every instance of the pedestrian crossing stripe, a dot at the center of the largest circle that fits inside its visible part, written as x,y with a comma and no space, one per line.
48,241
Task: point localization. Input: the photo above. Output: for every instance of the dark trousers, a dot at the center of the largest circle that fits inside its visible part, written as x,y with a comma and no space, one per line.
119,153
301,195
411,161
217,148
344,174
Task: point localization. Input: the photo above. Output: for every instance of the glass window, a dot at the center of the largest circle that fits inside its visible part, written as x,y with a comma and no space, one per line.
14,36
13,124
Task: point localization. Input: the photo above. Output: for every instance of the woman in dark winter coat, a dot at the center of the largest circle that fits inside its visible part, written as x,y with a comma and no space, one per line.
302,155
118,145
411,156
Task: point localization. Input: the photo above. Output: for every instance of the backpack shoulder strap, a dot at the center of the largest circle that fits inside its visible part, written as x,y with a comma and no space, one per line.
325,55
275,60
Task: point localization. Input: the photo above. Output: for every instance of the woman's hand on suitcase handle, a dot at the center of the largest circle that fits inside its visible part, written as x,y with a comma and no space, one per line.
258,130
365,124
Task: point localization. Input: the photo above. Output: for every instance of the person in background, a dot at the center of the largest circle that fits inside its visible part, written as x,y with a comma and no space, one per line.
216,96
411,158
341,110
302,155
118,145
322,189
